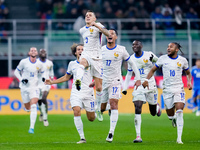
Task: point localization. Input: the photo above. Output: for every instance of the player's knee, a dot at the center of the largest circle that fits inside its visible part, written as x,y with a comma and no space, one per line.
92,118
138,110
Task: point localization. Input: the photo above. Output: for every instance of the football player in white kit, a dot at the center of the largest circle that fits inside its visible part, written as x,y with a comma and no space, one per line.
27,72
113,55
173,90
144,61
91,56
79,99
44,89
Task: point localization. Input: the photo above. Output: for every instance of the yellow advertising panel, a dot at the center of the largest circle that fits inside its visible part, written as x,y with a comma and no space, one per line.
59,102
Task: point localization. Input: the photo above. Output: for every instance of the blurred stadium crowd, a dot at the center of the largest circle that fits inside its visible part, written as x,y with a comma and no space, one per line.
156,9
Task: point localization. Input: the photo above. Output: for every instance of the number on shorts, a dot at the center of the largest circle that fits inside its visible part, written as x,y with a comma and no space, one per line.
115,90
141,71
108,62
31,74
182,96
86,40
172,73
92,104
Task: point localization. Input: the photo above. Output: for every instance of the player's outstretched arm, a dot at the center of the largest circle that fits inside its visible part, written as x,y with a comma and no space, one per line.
64,78
189,79
150,74
103,30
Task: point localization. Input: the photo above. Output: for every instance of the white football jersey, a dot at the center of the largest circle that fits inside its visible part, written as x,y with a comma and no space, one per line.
144,63
87,78
48,71
172,71
92,38
112,62
30,72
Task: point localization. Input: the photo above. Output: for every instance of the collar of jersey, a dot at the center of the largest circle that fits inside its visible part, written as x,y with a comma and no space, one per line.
32,62
77,61
173,58
139,56
87,27
111,48
43,61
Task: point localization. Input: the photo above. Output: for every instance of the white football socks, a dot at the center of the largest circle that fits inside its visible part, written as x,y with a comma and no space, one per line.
98,100
113,120
80,72
179,122
33,115
138,124
79,126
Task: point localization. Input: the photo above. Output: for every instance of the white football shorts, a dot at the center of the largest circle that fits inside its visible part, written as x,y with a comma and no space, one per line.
86,102
111,90
170,98
141,94
28,94
96,65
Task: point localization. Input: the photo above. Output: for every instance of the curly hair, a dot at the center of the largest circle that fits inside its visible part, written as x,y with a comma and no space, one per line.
73,48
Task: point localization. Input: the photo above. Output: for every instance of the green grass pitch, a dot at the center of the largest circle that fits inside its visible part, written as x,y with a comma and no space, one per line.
157,133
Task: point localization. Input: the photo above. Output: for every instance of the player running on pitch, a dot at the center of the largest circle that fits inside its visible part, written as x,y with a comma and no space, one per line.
173,90
27,72
44,89
79,99
144,61
113,55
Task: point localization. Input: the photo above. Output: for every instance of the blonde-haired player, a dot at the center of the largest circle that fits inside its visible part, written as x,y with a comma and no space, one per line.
91,56
27,72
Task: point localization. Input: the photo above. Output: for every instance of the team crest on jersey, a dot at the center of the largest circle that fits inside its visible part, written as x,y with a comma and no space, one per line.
116,55
178,64
48,67
145,60
37,68
91,30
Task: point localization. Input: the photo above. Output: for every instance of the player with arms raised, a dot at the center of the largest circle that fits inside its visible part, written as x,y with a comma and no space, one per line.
28,74
113,55
44,89
91,56
173,90
79,99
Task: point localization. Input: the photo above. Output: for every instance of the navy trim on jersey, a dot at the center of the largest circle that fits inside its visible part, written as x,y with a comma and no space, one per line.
18,69
130,69
186,69
87,27
32,62
68,73
111,48
43,61
157,66
77,61
173,58
139,56
127,58
42,72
